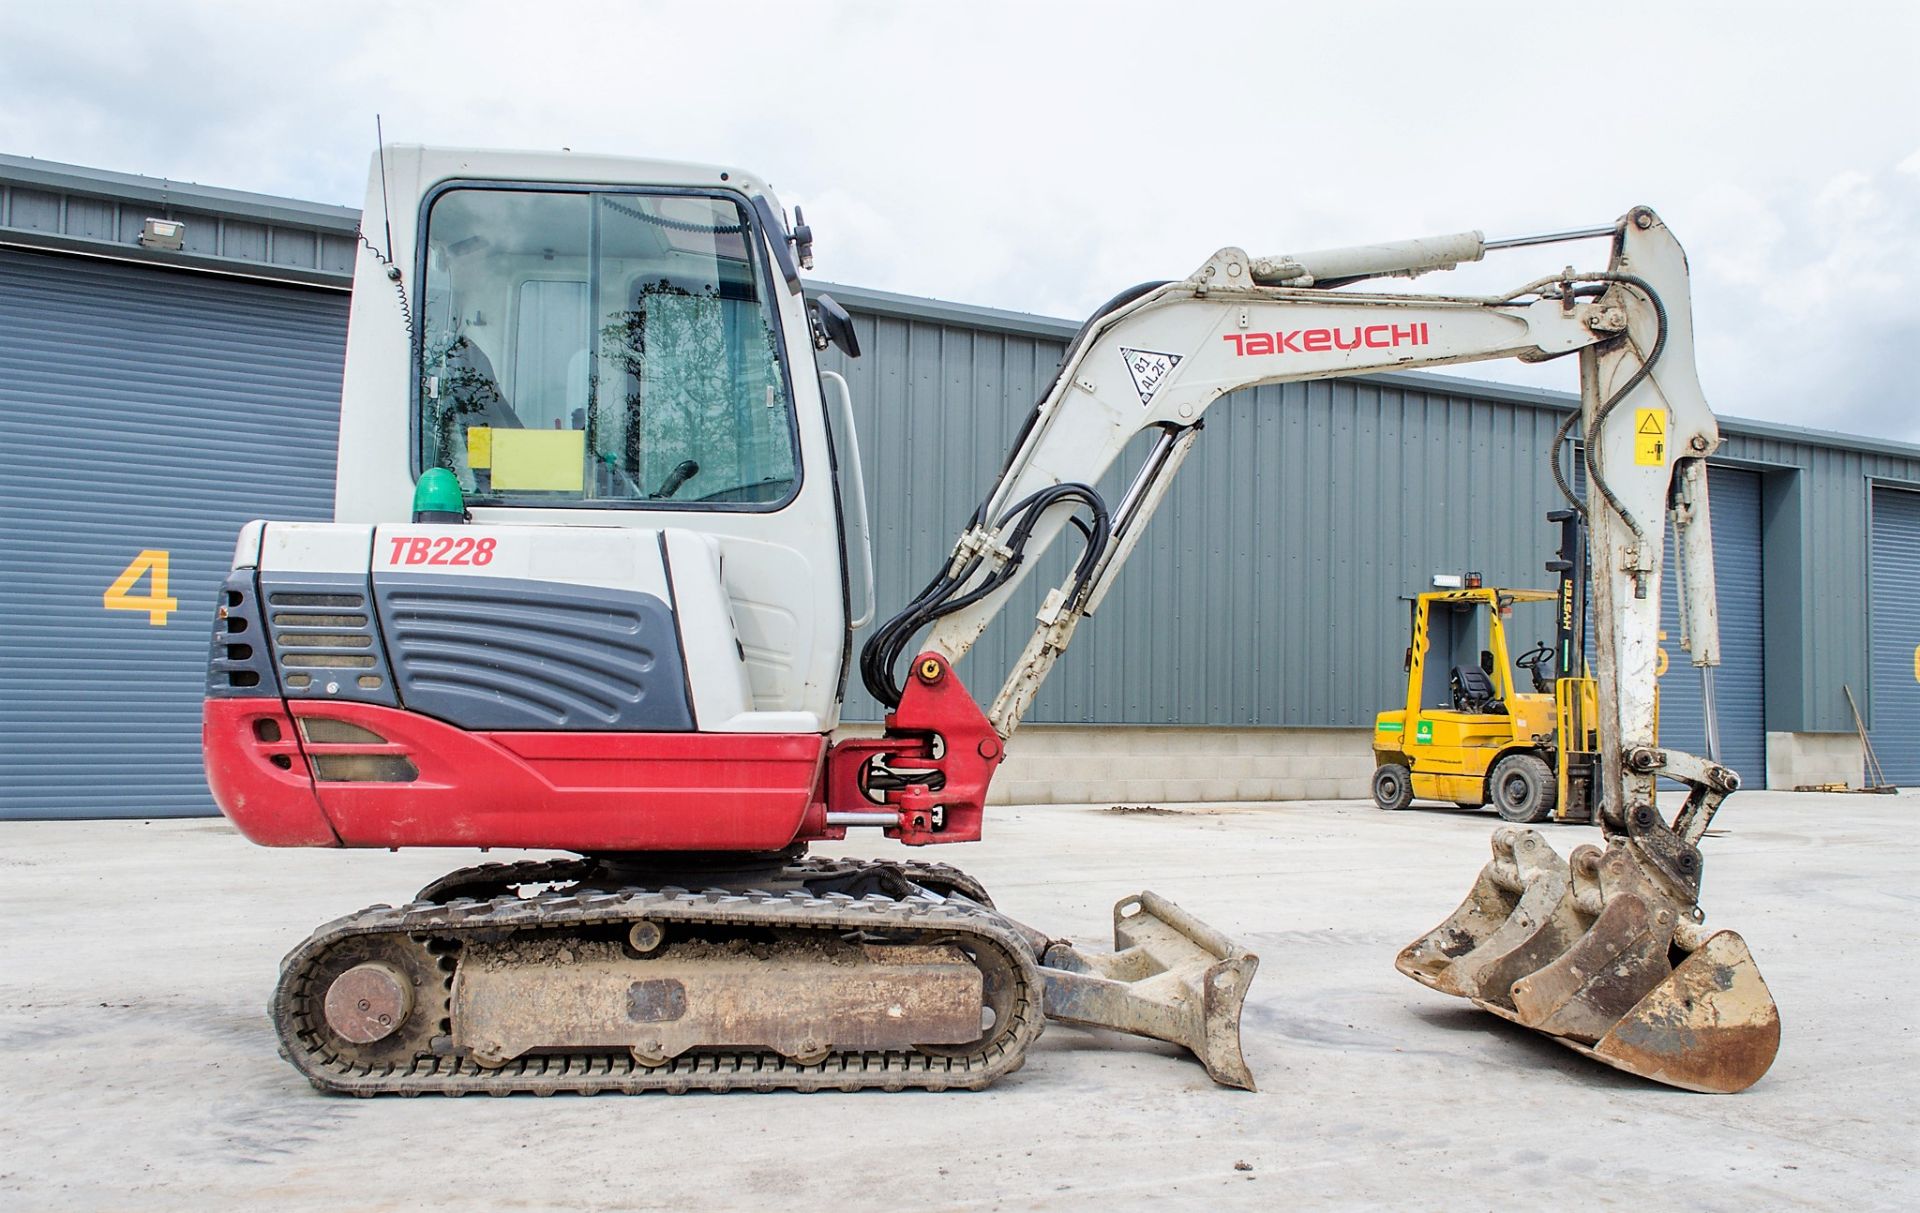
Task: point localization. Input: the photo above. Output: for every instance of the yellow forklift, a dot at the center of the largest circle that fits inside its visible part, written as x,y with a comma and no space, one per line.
1468,735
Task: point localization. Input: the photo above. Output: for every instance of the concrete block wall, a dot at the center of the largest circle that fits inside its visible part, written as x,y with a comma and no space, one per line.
1142,764
1797,760
1151,764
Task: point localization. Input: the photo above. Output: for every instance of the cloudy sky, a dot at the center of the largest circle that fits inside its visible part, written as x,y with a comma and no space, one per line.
1038,156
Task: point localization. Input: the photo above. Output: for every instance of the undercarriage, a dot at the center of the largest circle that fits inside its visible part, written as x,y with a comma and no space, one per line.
775,972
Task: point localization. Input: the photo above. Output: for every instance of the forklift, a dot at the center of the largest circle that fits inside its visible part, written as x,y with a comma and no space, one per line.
1467,734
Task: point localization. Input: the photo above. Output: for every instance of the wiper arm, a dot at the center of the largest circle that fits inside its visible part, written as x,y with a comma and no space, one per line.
686,470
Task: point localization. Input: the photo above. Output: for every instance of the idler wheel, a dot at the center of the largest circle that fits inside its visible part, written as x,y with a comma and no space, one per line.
368,1002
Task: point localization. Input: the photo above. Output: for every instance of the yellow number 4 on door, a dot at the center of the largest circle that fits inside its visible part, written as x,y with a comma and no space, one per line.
120,595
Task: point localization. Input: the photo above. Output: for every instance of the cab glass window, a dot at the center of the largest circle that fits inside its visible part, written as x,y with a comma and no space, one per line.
601,348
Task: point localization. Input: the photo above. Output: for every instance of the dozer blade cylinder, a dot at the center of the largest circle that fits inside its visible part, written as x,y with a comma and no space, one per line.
1170,977
1601,959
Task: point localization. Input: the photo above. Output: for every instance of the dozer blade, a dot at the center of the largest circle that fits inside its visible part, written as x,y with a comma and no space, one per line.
1597,956
1170,977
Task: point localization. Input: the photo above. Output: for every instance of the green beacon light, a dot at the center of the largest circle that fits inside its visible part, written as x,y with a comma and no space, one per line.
437,497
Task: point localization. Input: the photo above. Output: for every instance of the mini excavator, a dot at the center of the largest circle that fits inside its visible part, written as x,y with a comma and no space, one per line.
599,554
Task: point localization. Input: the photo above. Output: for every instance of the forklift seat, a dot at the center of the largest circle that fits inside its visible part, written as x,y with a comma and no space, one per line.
1473,691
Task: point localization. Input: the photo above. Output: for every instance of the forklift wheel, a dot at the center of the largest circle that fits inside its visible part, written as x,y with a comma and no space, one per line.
1393,786
1523,788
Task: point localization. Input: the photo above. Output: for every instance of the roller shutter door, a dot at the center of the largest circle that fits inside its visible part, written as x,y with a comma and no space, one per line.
142,411
1739,682
1733,496
1895,615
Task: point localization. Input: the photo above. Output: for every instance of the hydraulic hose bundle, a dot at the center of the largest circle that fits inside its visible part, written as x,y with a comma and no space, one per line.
948,592
880,656
1594,475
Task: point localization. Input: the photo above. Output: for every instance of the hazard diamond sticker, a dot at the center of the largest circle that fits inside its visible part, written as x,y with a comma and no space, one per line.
1149,371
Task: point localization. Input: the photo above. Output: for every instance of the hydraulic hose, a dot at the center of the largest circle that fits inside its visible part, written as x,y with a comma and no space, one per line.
942,596
1600,415
880,655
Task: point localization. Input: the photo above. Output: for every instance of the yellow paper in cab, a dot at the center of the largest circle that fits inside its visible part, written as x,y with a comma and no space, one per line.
539,460
479,446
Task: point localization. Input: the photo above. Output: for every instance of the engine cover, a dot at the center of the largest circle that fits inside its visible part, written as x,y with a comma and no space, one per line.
535,686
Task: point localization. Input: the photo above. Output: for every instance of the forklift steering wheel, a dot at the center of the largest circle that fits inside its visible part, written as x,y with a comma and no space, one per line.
1531,661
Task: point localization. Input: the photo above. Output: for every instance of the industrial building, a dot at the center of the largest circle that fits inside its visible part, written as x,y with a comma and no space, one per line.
170,361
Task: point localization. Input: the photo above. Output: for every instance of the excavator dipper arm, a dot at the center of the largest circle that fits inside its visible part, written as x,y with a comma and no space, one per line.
1603,952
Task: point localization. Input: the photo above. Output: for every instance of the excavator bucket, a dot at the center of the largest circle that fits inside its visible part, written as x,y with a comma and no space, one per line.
1170,977
1594,953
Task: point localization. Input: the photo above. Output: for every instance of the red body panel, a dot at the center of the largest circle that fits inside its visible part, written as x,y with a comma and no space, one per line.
596,792
560,791
258,775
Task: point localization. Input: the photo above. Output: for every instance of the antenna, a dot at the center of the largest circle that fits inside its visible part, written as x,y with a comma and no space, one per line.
386,208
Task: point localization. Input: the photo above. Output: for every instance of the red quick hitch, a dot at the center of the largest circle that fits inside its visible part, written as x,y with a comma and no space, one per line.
925,780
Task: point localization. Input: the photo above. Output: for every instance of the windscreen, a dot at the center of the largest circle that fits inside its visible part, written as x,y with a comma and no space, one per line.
601,348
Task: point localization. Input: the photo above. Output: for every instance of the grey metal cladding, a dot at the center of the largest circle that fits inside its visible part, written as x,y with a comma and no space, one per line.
497,653
1738,681
144,408
239,659
1816,500
1269,589
1894,697
1378,481
74,209
140,410
326,641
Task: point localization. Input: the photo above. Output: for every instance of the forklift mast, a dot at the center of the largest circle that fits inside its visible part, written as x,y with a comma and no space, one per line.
1570,563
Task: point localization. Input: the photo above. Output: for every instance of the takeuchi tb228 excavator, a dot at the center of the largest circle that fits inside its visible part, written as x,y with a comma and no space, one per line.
599,553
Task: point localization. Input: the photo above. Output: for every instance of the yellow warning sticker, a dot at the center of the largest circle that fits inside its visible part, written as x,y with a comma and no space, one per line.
1650,436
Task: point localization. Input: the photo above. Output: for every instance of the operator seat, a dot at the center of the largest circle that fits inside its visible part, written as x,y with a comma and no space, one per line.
475,389
1473,691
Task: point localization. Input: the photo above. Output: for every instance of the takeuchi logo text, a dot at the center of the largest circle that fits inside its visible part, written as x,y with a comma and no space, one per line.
1313,341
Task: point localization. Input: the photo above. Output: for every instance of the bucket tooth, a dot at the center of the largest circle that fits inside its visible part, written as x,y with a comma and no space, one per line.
1603,975
1518,916
1170,977
1600,957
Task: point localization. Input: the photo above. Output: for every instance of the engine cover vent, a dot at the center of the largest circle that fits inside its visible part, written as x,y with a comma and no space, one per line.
326,643
501,653
238,664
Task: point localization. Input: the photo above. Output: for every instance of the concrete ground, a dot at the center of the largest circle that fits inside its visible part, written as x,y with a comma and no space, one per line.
136,958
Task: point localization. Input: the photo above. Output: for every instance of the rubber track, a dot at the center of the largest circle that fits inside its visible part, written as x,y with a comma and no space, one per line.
523,871
463,881
313,1050
944,877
